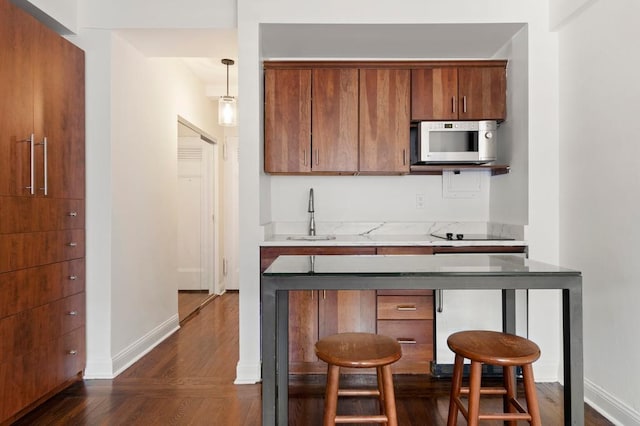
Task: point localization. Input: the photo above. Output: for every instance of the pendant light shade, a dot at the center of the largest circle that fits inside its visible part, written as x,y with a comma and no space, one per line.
227,106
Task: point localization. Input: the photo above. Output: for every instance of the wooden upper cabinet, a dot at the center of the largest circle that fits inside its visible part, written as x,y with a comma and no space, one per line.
482,92
458,93
334,132
384,120
16,102
434,94
287,122
59,117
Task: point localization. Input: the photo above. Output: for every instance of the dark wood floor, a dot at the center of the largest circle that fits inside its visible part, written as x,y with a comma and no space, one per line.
188,380
190,302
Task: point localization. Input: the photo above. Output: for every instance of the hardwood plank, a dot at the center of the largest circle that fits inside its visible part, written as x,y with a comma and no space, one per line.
188,380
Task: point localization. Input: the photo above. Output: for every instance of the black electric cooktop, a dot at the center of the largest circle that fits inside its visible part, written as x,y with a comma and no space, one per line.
453,236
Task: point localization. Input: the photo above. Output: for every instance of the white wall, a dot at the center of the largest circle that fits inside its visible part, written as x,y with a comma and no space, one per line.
599,187
133,103
375,199
542,113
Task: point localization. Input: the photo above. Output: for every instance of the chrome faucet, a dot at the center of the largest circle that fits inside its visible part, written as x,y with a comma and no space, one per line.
312,220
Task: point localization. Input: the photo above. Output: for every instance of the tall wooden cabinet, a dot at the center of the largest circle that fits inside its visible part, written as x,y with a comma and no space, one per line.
42,241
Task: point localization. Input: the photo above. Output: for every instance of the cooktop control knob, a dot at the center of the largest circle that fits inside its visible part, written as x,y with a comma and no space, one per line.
459,236
488,135
449,235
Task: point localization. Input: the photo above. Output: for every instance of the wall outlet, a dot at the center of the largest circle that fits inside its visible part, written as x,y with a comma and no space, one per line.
419,201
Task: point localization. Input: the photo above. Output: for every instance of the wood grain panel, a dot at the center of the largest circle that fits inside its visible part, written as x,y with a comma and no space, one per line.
343,311
485,93
384,120
434,94
418,331
405,250
269,254
19,251
335,120
303,325
30,214
16,102
59,115
28,288
405,307
287,122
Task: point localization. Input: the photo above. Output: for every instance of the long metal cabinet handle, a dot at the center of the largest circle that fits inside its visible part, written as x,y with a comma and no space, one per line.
31,187
404,157
440,307
406,341
464,104
46,176
453,104
304,157
317,157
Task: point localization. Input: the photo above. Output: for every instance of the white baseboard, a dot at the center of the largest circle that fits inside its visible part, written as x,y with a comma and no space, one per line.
247,374
108,368
609,406
99,369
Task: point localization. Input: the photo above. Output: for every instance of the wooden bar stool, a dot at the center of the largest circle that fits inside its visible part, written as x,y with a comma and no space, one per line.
359,350
493,348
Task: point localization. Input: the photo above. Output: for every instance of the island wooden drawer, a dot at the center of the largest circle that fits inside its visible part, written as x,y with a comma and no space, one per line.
405,307
415,337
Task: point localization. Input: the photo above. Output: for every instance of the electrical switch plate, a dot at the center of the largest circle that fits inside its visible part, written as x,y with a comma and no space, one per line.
419,201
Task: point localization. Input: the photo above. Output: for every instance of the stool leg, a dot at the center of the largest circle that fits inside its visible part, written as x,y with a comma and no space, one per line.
331,395
456,383
530,395
389,397
381,390
509,385
475,379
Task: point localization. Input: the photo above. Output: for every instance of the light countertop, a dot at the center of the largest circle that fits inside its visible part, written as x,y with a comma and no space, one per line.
379,240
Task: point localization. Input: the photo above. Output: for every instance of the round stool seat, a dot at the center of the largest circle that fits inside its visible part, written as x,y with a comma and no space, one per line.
358,350
495,348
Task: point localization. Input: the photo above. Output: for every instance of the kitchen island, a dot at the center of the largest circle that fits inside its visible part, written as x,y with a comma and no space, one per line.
412,272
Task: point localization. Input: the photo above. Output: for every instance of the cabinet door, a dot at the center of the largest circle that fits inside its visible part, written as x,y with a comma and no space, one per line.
335,120
342,311
303,327
434,94
287,121
16,101
59,116
482,93
384,120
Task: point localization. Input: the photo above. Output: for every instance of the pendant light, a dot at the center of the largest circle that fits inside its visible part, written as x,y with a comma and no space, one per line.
227,108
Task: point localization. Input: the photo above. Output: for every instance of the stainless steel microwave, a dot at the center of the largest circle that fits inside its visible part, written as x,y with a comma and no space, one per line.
456,142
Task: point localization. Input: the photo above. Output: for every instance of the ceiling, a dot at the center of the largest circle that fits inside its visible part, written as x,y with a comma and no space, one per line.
202,50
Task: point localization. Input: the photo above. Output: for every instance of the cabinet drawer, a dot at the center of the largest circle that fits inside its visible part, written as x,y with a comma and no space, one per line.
20,251
28,288
32,329
33,214
405,307
415,337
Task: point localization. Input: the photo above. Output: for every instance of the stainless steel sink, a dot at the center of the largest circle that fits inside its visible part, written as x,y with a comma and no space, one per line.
312,237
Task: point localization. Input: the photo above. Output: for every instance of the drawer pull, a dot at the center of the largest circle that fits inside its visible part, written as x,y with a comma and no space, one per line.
72,244
72,313
73,214
406,308
73,277
406,341
72,352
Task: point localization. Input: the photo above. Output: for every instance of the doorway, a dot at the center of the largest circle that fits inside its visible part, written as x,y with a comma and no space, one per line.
197,233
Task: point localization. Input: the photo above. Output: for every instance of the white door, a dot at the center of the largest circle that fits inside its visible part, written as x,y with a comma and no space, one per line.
196,199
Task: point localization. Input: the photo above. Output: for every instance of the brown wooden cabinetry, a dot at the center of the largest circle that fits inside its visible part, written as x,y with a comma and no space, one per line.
42,299
384,120
473,92
336,120
287,122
